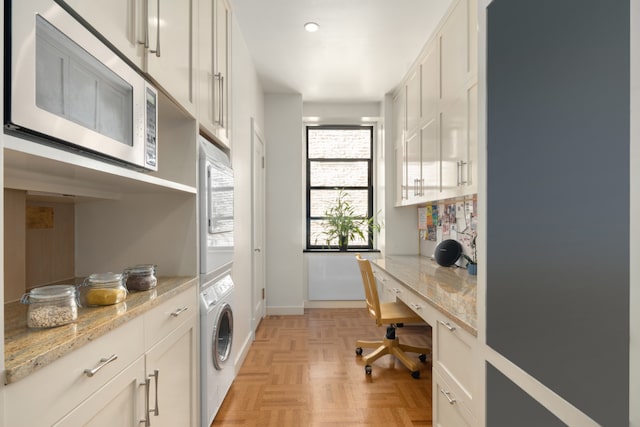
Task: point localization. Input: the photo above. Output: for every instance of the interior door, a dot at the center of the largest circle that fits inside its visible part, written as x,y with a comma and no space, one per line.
258,219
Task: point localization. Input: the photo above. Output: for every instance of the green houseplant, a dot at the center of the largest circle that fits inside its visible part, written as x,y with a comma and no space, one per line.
341,222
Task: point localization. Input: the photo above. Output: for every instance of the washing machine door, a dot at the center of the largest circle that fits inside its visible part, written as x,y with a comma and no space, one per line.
222,337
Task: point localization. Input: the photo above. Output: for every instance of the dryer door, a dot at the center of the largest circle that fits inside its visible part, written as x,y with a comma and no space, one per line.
222,337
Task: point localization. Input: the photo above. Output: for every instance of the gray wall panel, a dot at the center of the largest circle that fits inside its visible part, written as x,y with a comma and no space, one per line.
558,197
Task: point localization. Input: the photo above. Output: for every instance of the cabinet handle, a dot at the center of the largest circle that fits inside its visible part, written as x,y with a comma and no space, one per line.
448,396
103,362
147,419
461,180
469,176
156,410
179,311
157,51
416,306
447,325
396,290
422,187
145,13
221,100
218,117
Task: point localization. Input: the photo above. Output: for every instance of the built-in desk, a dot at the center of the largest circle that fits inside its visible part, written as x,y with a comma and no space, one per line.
445,297
450,290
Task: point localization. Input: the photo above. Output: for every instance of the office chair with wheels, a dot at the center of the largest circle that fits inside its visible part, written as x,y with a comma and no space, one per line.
393,314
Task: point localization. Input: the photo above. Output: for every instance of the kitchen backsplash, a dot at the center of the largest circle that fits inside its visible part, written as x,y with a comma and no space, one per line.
448,219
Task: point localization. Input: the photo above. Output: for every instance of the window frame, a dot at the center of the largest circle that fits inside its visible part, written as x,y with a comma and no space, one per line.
369,187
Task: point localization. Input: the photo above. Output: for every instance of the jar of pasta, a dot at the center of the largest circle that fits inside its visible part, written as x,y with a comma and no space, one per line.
102,289
51,306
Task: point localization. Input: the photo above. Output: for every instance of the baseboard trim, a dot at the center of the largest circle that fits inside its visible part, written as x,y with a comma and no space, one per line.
335,304
285,311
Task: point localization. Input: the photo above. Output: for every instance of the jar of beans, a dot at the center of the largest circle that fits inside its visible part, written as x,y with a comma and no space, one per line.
102,289
51,306
141,277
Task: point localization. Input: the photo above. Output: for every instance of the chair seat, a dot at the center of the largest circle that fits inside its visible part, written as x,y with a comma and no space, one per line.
397,312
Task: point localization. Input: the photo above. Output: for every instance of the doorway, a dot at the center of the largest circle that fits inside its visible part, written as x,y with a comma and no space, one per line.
258,306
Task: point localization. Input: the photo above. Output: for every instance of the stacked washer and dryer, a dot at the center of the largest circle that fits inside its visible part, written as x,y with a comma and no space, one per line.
215,192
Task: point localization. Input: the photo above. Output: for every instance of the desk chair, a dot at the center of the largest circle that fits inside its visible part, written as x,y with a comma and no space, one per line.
393,314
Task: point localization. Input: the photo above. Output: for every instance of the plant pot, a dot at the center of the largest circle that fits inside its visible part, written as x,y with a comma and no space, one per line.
343,243
472,269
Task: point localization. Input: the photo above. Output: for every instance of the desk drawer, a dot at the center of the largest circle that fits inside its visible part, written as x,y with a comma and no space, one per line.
450,407
454,353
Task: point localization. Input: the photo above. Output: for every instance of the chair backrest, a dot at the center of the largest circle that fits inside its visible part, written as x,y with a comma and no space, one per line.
370,289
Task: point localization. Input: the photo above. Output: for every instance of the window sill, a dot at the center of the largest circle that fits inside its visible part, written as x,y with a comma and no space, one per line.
337,251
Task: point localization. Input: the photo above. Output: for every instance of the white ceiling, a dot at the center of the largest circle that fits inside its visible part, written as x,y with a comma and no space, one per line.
362,50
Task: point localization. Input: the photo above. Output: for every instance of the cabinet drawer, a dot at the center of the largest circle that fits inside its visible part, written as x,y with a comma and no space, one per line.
450,409
160,321
453,353
46,395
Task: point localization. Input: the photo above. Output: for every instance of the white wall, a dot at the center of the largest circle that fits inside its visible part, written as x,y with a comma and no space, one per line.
284,204
247,102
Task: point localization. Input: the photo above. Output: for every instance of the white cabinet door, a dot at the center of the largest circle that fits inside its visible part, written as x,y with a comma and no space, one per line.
413,166
453,146
453,53
169,57
119,21
399,131
413,100
171,364
213,68
430,160
430,85
119,403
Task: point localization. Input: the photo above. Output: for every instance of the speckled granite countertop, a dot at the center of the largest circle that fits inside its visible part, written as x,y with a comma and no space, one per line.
26,350
450,290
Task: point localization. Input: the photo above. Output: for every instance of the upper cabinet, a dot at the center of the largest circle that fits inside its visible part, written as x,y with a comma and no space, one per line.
119,22
169,48
214,54
440,153
155,35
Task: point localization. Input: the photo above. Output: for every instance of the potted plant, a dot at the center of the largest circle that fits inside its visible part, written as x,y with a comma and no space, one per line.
341,222
472,261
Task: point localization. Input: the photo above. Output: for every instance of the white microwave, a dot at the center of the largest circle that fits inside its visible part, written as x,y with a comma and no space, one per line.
66,87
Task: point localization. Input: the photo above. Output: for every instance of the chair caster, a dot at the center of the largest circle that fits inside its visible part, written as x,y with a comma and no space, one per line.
415,374
423,358
358,351
367,370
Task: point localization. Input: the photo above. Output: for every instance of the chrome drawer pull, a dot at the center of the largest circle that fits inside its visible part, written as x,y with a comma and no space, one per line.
147,419
155,410
179,311
103,362
447,325
416,306
448,396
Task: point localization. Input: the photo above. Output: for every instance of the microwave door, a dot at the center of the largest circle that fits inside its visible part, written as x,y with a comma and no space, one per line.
69,88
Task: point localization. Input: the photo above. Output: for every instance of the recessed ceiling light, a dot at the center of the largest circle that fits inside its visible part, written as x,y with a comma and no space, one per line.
311,27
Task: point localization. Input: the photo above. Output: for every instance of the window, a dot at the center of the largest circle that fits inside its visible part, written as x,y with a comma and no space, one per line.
338,158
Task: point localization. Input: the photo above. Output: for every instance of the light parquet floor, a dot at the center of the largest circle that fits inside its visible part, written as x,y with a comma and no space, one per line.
302,371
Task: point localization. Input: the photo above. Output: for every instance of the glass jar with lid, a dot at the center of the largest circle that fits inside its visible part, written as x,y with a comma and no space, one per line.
141,277
50,306
102,289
